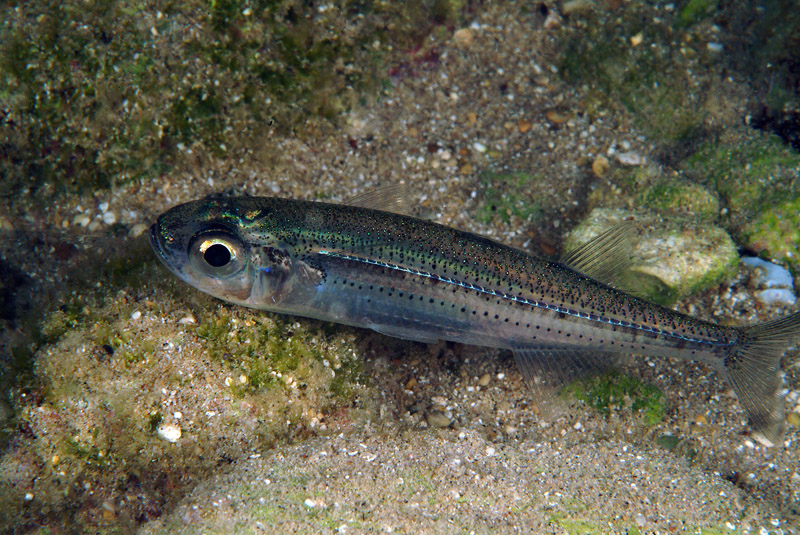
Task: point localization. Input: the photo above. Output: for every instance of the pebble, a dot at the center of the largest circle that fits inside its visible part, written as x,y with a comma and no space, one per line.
484,380
793,418
187,320
463,37
109,218
555,117
777,282
437,419
524,125
136,315
169,432
629,158
137,230
82,220
600,166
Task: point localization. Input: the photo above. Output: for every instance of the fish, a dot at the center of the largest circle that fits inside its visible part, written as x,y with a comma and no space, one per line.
415,279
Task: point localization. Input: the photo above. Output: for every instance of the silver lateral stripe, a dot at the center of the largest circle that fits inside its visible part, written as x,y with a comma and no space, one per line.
525,301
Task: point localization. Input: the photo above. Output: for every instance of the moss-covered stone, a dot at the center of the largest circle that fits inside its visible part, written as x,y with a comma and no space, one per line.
750,170
775,233
675,197
675,257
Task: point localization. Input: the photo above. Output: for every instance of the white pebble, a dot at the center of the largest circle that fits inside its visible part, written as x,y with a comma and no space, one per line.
103,206
136,315
81,219
187,320
137,230
629,158
109,218
478,146
169,432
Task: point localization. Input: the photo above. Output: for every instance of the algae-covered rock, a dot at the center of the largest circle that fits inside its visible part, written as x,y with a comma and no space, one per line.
684,256
775,232
750,170
681,198
140,398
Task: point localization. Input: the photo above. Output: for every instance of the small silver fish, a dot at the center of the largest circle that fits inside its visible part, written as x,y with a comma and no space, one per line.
418,280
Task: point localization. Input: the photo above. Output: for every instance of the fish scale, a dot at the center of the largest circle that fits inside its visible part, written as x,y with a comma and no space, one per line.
416,279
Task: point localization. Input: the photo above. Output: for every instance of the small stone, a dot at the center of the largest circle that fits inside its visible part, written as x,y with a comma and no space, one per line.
600,166
555,117
793,418
629,158
136,315
472,118
478,146
701,420
169,432
437,419
463,37
109,218
576,6
411,383
82,220
524,125
636,40
187,320
137,230
466,169
484,380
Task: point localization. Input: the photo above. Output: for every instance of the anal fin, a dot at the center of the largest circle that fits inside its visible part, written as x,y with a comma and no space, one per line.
415,335
553,367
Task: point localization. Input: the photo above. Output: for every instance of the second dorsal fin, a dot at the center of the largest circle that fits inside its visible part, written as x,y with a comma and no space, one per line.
604,257
608,258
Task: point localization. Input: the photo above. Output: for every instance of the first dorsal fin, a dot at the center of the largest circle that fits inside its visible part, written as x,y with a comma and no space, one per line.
394,198
608,258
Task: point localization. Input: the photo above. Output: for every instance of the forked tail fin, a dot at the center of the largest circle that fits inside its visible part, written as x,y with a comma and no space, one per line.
752,368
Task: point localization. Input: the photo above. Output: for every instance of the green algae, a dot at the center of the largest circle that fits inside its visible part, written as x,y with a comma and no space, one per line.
750,170
614,391
106,93
776,233
648,82
506,196
695,11
683,198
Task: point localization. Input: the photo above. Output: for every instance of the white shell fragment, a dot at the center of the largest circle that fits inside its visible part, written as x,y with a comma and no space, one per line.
169,432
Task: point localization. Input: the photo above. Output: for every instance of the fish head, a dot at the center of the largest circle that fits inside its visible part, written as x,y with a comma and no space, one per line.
222,247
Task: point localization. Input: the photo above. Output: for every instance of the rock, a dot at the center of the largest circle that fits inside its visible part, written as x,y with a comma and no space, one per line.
683,256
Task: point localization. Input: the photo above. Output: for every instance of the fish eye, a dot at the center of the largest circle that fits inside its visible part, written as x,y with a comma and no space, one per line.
217,254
